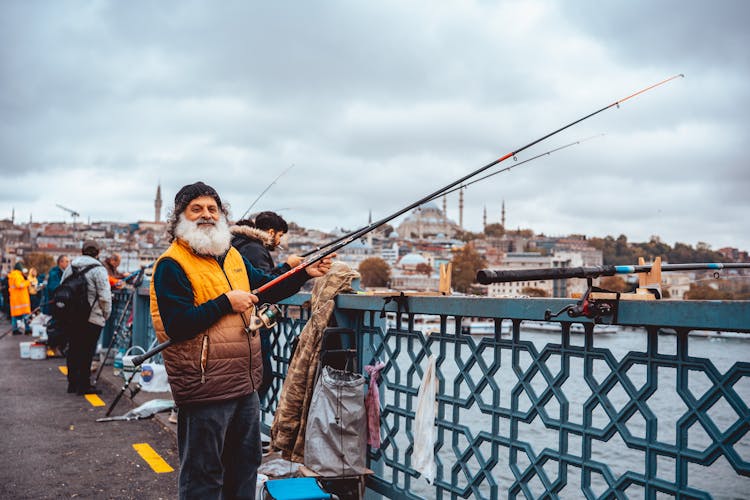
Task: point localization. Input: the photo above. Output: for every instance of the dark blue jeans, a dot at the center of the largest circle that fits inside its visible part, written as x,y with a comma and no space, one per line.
266,351
219,446
83,340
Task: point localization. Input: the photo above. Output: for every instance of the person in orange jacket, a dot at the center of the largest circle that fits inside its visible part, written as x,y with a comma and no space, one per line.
112,263
20,300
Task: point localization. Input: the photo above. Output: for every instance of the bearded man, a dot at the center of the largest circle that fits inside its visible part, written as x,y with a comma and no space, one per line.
200,299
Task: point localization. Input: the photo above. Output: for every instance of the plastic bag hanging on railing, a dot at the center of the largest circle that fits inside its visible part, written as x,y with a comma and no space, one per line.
335,437
423,457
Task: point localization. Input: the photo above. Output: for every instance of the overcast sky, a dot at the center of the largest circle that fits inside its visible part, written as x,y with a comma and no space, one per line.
377,104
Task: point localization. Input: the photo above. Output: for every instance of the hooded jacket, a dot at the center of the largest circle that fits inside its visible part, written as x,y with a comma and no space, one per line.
97,286
253,243
18,290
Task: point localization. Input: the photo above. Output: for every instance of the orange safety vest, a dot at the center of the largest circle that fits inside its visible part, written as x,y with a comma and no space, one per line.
18,288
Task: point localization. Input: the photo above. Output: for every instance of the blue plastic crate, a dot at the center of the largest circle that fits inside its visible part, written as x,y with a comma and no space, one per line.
297,488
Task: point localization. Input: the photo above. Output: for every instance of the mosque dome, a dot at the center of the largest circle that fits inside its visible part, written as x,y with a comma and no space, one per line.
425,221
412,260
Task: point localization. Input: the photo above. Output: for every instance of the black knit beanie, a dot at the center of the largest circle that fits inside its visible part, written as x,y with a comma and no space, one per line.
192,191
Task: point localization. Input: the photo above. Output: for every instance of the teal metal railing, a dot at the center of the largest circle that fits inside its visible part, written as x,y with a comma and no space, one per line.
657,406
538,409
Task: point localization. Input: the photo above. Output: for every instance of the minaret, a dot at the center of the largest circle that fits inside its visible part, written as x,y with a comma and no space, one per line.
157,204
419,223
502,217
445,214
369,235
484,219
461,208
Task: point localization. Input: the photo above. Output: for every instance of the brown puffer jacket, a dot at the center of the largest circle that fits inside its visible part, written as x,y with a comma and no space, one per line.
222,362
290,420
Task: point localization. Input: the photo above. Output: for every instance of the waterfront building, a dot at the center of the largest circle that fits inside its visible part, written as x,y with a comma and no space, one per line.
410,273
534,260
389,253
355,252
677,284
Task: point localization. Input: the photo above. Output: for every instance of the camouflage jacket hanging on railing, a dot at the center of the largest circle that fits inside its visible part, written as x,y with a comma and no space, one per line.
290,420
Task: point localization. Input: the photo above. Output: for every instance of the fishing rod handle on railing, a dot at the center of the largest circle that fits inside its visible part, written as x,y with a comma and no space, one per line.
489,276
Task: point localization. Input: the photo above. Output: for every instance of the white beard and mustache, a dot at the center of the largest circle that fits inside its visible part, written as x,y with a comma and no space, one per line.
212,240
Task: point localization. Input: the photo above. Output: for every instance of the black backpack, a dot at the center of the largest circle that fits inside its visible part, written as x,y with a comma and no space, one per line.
69,303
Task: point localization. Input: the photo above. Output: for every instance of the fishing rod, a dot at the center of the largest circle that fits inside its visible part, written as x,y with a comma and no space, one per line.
320,255
462,186
510,167
264,191
366,229
135,278
489,276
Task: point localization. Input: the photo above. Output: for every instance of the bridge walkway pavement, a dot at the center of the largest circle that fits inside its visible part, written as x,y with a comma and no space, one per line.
52,447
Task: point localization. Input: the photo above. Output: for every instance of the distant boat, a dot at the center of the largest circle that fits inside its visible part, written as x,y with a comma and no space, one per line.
488,328
712,334
546,327
431,323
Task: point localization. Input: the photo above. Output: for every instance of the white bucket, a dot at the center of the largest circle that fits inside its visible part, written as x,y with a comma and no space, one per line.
37,351
38,330
25,353
128,367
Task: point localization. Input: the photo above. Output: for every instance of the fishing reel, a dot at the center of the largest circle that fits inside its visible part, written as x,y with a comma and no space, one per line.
589,307
265,317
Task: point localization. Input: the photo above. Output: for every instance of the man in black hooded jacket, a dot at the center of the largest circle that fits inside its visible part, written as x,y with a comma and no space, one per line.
255,239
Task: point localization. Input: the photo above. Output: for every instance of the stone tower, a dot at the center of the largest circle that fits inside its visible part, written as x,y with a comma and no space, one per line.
461,208
445,213
157,204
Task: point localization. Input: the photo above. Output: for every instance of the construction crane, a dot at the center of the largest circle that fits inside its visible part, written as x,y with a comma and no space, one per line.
72,213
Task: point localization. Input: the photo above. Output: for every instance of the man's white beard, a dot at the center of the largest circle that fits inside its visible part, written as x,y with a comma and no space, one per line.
204,239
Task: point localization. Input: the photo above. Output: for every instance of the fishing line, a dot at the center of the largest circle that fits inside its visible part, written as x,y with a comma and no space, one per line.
265,190
546,153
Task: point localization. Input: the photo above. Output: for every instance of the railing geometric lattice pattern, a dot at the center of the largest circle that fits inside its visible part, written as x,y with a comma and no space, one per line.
566,414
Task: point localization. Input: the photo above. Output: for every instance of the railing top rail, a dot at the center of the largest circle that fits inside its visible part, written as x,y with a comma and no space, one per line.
699,315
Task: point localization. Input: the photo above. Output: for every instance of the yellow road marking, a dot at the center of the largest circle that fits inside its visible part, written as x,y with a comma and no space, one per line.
63,370
147,453
94,400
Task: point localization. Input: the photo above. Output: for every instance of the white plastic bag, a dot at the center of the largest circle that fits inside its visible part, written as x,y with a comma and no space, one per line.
423,456
154,377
